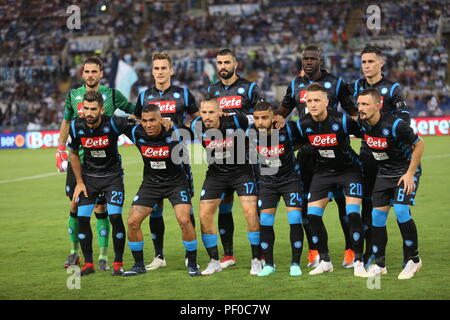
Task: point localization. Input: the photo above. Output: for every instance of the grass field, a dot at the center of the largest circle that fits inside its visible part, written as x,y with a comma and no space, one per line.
35,243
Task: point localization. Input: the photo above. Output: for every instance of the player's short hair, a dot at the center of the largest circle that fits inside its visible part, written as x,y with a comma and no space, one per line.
150,108
92,96
94,60
372,92
210,100
316,86
162,56
372,49
263,106
313,48
226,52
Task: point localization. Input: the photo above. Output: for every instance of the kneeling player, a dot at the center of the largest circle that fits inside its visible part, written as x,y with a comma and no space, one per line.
101,173
337,166
398,151
162,179
225,174
279,177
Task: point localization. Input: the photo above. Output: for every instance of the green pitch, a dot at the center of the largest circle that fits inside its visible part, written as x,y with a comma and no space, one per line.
35,243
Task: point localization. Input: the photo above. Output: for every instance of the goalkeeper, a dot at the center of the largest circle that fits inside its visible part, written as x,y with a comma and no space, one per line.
92,73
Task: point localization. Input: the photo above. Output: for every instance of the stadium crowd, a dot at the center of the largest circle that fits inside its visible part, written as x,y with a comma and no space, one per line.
32,68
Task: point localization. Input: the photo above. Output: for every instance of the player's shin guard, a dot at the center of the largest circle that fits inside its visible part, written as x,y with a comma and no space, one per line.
226,227
409,232
103,231
319,233
210,243
355,230
379,236
85,236
343,218
157,229
73,232
296,235
255,241
191,252
118,231
267,236
366,214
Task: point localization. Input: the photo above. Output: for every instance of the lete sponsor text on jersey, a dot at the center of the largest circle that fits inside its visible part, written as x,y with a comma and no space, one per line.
219,144
165,106
323,140
376,142
273,151
230,102
95,142
155,152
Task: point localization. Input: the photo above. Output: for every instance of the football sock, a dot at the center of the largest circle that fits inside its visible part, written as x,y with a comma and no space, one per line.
366,214
85,236
296,237
137,249
410,240
118,231
226,228
191,252
267,242
73,233
210,243
157,229
340,202
319,236
379,241
103,230
357,234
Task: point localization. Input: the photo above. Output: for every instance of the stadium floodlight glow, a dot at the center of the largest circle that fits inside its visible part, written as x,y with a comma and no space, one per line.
103,7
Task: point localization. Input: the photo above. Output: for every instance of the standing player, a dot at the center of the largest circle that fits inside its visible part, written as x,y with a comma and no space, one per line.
278,177
235,95
392,102
295,97
162,179
174,104
92,74
228,171
337,166
101,172
398,150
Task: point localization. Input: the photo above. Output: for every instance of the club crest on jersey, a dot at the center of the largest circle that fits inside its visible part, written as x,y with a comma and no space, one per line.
273,151
241,90
105,129
282,138
95,142
301,85
335,127
376,142
155,152
385,132
323,140
168,139
176,95
216,93
166,106
327,85
384,91
230,102
104,97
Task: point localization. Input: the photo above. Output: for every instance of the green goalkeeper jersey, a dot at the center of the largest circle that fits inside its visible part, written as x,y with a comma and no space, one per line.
112,99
